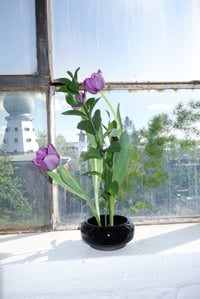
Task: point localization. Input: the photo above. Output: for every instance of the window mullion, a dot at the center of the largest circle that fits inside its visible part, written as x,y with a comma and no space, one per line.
152,85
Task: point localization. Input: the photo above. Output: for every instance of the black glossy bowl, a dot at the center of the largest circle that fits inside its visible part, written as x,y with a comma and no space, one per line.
107,237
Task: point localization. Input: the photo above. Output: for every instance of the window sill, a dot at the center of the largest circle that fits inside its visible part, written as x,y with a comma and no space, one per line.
162,261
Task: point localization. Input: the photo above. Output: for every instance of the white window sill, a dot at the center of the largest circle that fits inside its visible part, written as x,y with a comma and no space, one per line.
162,261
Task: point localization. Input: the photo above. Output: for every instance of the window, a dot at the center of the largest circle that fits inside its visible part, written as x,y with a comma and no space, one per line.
18,40
149,55
150,62
24,90
141,40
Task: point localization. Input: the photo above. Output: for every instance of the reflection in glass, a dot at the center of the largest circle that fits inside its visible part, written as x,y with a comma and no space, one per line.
164,165
17,35
19,128
24,195
138,40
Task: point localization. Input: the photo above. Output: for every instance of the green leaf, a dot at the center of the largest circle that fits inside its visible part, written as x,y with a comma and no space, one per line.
92,173
115,133
73,87
74,112
120,161
97,119
76,73
92,153
86,126
114,147
67,181
92,140
118,117
70,74
113,188
112,125
70,99
63,88
91,103
63,80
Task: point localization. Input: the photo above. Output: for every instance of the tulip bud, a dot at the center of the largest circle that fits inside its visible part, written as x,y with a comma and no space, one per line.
95,83
47,157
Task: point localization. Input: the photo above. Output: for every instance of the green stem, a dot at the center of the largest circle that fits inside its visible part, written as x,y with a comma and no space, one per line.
96,166
93,127
111,210
96,183
96,215
111,108
108,103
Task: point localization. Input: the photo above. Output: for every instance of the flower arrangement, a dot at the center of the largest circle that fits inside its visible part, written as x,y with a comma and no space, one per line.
108,146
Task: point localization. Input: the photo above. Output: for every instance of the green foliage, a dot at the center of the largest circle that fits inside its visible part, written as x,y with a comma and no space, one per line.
108,147
41,138
62,145
186,116
150,146
117,167
13,205
71,86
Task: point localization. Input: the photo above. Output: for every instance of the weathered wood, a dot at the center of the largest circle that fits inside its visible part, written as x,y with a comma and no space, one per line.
23,82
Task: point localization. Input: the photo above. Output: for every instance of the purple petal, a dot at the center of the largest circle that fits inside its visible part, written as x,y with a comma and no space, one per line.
41,153
76,107
47,157
51,162
88,85
40,163
99,81
81,97
51,150
95,83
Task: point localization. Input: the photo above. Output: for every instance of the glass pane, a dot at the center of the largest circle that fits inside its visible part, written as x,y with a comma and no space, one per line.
138,40
17,35
164,171
24,189
129,40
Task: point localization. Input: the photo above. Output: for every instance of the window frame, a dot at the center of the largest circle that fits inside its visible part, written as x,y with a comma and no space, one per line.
39,80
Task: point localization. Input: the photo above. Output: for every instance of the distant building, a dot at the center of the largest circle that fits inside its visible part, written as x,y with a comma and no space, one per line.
19,136
82,144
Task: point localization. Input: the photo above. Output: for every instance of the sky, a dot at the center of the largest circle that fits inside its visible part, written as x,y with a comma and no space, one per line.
139,106
138,40
18,42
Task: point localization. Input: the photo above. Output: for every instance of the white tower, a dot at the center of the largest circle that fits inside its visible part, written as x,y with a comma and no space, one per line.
19,135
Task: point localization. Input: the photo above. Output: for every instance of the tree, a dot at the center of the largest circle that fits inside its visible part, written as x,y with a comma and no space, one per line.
60,142
61,145
13,205
41,138
167,135
128,124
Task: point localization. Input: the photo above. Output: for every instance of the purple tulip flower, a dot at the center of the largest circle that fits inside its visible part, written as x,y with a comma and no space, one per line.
95,83
47,157
80,99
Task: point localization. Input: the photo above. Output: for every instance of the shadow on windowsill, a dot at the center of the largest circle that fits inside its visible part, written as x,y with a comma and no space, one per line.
70,250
